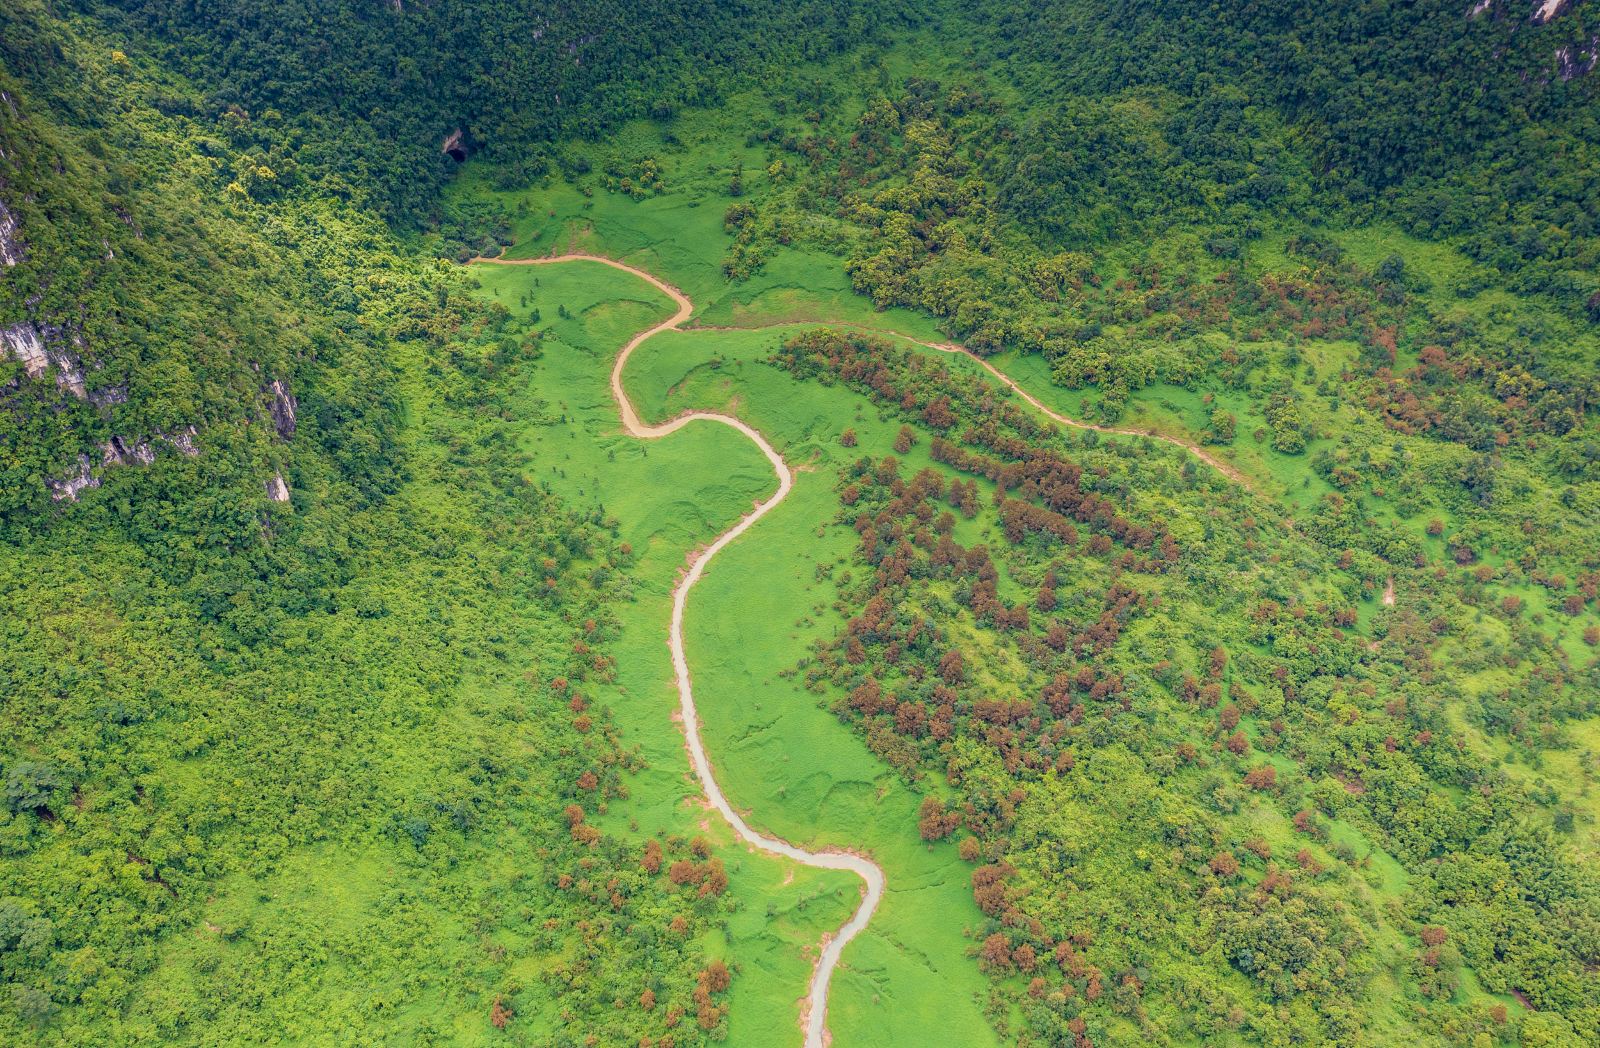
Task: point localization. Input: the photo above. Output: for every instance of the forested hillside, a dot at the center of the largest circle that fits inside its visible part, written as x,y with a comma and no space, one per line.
373,91
1232,679
298,652
1477,122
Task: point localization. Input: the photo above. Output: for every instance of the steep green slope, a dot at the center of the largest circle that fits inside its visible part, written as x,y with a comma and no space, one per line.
300,738
370,92
171,314
1474,121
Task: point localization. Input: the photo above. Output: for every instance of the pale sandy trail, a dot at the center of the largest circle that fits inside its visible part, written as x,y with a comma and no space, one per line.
1194,449
814,1009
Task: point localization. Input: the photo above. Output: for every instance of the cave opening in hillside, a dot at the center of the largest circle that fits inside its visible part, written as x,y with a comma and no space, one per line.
455,146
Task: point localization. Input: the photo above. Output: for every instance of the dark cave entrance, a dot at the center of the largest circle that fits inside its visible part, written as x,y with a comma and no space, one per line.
455,146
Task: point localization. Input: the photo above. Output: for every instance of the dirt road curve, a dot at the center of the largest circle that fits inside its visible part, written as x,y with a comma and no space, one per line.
1194,449
1190,446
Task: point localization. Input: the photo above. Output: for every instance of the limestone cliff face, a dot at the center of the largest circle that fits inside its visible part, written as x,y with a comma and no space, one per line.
50,350
1537,12
22,342
50,354
120,354
454,145
44,357
43,354
283,408
69,486
118,451
1572,59
40,351
11,249
1545,10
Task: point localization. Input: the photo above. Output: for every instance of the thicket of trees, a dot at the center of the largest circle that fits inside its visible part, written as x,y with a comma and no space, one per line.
1163,229
1181,769
1415,111
192,317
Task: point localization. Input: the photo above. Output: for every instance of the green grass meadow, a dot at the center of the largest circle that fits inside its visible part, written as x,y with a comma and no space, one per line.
781,757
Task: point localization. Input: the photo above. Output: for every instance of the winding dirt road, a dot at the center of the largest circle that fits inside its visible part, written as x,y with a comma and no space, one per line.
1225,468
1192,448
814,1009
814,1013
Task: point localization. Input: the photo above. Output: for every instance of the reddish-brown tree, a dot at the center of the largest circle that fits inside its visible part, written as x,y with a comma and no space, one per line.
1264,777
952,667
1224,865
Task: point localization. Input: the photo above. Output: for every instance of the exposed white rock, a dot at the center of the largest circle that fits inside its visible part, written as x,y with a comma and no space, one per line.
1479,8
69,374
277,490
283,408
183,440
1545,10
23,342
118,452
104,398
130,451
10,245
68,488
1573,62
30,347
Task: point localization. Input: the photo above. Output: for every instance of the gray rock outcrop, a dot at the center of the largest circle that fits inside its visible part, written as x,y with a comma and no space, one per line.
283,408
11,250
35,350
68,488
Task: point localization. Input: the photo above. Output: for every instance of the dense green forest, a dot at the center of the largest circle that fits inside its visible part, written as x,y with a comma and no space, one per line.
352,707
334,698
369,93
